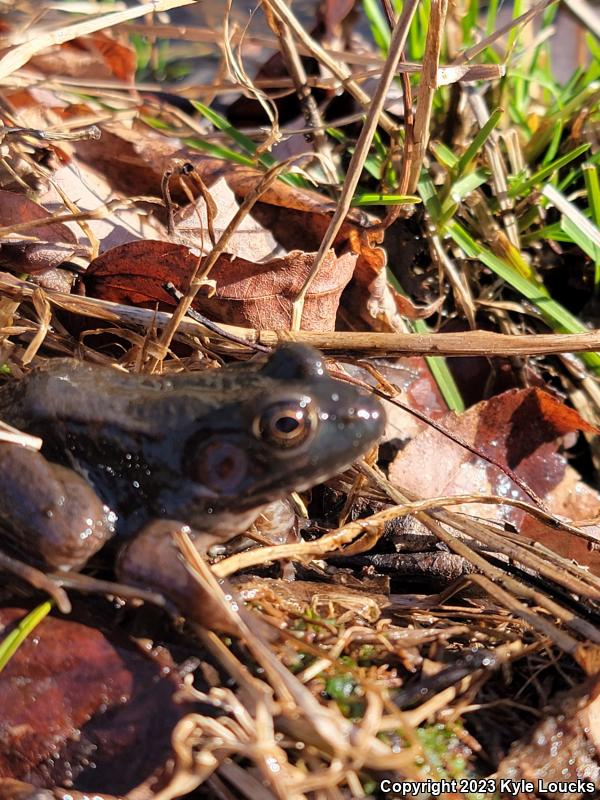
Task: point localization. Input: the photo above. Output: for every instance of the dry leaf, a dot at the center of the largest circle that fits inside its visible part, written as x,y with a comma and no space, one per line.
83,710
520,429
250,240
18,253
96,56
248,294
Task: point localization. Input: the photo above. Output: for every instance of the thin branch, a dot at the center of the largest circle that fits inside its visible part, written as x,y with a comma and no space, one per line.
474,343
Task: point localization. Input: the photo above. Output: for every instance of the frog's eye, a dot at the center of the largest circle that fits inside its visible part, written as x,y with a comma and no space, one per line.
286,424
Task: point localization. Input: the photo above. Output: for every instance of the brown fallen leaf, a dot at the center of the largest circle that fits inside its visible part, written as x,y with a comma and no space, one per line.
521,430
87,190
79,709
97,56
134,161
296,218
248,294
18,253
250,239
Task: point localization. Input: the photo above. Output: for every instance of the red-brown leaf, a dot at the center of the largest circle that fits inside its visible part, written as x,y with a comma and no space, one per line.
80,709
521,430
54,242
248,294
94,56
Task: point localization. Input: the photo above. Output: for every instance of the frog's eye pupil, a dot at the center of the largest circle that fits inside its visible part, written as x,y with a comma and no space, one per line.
285,424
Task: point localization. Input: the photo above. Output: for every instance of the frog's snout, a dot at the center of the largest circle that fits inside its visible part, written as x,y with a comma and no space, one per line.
358,415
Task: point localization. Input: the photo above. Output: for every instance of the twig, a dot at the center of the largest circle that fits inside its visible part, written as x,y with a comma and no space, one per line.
474,343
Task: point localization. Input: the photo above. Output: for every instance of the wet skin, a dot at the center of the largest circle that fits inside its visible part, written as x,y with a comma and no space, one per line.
138,455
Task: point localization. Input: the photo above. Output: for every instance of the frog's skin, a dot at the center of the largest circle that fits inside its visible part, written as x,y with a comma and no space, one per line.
208,449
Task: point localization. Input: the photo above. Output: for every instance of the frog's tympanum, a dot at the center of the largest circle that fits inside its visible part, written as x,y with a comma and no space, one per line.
135,454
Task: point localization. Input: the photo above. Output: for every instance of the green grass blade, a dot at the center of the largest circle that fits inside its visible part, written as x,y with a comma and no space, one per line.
370,199
246,144
380,30
219,151
590,174
490,19
429,196
524,187
478,141
469,23
444,155
555,141
557,317
460,189
592,183
11,643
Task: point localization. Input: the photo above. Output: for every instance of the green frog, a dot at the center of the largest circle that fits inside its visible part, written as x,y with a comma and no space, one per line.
137,454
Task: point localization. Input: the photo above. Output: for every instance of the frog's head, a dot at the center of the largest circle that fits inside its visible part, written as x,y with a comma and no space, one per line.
293,427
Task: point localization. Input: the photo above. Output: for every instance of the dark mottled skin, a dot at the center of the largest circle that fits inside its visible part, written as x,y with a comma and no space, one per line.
187,447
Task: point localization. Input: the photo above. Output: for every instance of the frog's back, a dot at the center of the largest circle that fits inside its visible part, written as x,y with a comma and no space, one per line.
79,394
123,432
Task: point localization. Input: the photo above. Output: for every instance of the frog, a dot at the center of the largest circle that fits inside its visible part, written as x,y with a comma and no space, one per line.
130,457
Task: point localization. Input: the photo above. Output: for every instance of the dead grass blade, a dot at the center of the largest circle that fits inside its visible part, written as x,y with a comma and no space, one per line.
399,36
427,87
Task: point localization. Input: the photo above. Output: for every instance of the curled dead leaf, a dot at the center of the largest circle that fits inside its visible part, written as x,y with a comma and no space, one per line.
247,294
43,247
